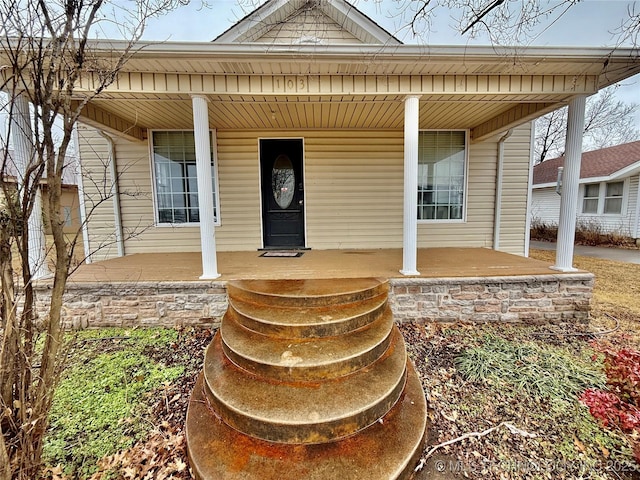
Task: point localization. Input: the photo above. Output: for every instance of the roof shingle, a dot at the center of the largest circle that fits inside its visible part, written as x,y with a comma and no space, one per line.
596,163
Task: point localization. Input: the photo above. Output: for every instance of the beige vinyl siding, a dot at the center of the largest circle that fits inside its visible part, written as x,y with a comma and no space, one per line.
353,194
354,189
515,181
98,194
308,23
477,230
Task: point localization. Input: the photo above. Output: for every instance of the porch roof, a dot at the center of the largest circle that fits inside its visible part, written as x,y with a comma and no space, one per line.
256,86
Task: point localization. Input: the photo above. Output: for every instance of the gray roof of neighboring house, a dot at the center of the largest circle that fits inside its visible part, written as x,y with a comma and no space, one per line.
596,163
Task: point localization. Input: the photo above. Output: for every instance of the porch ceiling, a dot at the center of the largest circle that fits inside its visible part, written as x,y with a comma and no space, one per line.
151,111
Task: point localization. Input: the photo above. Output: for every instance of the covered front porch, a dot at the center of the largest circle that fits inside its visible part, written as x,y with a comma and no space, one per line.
351,263
455,284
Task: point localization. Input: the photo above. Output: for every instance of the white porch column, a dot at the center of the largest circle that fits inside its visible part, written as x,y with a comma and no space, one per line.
205,187
410,222
570,183
22,133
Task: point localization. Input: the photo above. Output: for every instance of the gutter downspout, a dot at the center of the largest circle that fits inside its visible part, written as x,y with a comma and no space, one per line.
113,172
527,223
498,200
83,207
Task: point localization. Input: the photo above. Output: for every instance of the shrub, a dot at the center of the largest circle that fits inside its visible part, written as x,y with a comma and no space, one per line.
611,410
589,232
618,407
592,232
623,374
540,230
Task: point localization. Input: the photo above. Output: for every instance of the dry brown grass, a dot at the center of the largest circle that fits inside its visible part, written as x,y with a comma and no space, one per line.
616,294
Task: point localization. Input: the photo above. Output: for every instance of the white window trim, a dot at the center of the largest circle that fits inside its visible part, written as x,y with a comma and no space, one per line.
466,178
214,147
602,193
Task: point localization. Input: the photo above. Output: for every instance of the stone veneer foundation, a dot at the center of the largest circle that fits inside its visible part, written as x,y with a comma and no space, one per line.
531,299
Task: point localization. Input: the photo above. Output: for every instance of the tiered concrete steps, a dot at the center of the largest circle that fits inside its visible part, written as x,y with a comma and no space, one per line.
306,379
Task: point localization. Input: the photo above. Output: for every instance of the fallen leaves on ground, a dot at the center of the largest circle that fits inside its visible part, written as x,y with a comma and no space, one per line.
554,450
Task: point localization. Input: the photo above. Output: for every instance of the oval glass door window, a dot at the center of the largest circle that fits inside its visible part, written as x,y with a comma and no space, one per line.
283,181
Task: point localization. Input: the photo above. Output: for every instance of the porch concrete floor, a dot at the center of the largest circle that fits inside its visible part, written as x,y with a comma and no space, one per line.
385,263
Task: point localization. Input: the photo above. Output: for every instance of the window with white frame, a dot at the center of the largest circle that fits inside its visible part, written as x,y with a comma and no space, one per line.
591,198
176,179
441,175
613,198
603,198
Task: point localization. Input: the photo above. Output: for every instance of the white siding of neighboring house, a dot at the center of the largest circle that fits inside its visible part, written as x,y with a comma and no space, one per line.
545,207
353,190
634,208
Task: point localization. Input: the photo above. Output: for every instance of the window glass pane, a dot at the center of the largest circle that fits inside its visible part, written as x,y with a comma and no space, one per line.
441,171
591,198
592,190
613,205
613,198
615,189
590,205
176,177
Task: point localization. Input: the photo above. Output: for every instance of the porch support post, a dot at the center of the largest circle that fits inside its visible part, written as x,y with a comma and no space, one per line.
205,187
24,158
410,222
570,184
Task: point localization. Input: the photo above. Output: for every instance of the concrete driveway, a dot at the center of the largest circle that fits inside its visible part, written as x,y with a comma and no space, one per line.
618,254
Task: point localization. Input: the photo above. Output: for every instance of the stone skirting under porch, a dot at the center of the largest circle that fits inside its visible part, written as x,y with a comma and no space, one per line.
525,299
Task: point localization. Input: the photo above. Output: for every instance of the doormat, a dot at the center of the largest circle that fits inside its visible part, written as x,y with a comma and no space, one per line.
282,254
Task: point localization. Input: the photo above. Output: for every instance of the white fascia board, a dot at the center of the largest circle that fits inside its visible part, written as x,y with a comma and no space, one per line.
628,171
396,52
347,11
255,18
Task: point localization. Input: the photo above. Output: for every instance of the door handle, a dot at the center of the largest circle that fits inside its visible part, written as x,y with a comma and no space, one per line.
300,202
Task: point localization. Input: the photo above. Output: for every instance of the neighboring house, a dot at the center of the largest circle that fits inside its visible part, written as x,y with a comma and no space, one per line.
69,201
608,194
307,125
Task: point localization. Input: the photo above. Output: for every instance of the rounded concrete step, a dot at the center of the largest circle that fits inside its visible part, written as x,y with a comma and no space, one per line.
305,359
304,412
386,450
306,293
307,322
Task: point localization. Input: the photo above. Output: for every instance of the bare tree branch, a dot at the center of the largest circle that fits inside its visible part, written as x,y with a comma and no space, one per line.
608,122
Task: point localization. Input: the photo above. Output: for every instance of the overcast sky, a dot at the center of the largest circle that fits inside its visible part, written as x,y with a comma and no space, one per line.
588,23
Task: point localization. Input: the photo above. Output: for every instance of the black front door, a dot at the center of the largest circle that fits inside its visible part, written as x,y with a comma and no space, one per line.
282,193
